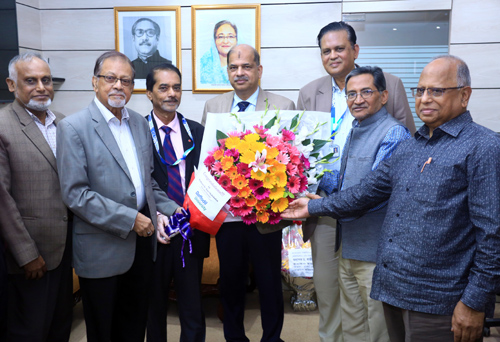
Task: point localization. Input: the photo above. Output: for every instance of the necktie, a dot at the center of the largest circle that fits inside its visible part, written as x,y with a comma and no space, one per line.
174,190
243,105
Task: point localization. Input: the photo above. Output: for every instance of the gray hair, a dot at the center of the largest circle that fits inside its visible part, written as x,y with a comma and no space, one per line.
375,71
24,57
111,54
463,73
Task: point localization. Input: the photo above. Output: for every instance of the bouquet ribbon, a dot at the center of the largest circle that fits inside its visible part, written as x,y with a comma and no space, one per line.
179,224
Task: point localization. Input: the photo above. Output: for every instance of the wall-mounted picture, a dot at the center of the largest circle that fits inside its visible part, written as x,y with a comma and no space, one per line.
148,36
215,30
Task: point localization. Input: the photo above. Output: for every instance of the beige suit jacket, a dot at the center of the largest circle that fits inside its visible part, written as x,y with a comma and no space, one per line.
33,219
224,102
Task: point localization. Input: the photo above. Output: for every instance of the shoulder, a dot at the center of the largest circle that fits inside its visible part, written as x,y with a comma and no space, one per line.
391,80
136,117
276,99
220,99
6,112
193,125
316,84
77,118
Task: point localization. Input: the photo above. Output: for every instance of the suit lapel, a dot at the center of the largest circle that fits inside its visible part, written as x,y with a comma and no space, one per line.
261,100
160,146
186,144
324,96
102,129
34,134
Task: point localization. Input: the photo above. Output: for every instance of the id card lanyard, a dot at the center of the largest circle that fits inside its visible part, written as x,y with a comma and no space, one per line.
157,146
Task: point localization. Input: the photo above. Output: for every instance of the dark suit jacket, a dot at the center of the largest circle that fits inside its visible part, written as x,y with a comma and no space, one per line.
33,219
200,240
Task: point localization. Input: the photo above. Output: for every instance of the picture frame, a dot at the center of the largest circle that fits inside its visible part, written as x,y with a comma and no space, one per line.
214,30
146,48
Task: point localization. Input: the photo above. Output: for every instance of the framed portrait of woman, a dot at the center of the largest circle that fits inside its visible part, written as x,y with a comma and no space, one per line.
215,30
148,36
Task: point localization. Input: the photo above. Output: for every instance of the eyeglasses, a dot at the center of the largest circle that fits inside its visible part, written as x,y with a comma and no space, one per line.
434,92
228,37
113,79
365,94
149,32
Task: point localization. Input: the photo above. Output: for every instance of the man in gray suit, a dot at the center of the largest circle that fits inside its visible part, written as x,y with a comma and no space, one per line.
34,219
105,157
337,43
238,243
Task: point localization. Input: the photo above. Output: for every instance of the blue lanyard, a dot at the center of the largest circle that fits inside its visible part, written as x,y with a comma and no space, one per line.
335,131
157,146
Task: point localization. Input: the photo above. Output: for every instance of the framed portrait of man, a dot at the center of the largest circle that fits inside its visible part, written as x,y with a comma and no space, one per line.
215,30
148,36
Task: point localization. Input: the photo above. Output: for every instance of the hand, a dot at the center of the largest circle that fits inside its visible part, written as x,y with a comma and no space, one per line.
178,210
143,225
160,232
466,323
35,269
298,208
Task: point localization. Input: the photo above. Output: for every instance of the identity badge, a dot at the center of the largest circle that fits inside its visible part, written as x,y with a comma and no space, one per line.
336,151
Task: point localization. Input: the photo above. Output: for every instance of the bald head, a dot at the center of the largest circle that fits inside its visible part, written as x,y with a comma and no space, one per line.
245,47
244,70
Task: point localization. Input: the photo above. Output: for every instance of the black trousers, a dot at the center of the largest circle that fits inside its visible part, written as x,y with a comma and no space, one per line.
41,310
187,284
3,294
116,308
237,245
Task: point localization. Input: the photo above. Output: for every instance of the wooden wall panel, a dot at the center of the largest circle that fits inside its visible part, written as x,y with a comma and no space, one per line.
475,22
28,27
482,60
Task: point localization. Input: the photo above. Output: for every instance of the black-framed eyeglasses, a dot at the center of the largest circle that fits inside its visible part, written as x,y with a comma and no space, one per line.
149,32
365,94
434,92
126,82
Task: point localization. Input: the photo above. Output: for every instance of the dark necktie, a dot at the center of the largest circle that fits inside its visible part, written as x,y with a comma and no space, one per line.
174,190
243,105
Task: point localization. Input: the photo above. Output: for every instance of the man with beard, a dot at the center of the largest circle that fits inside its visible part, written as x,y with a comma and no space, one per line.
105,157
34,220
146,34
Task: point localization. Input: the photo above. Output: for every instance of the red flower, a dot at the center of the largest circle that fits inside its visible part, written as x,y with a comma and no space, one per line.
274,218
233,191
224,181
243,169
249,219
209,161
237,202
261,193
294,184
304,160
244,210
254,184
303,184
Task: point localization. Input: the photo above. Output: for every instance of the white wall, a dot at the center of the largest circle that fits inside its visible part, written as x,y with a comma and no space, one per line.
74,33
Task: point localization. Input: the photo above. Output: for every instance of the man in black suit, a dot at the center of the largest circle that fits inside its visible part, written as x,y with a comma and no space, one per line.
177,143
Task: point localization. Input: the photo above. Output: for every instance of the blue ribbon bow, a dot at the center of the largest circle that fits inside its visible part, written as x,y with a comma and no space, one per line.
179,224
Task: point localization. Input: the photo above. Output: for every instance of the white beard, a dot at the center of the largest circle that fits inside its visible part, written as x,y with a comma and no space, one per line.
39,106
116,103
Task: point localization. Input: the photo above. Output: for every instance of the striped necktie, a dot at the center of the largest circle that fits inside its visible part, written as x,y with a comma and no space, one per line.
174,190
243,105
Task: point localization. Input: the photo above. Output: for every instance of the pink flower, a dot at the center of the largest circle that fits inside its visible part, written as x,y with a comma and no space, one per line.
287,135
243,211
283,158
273,141
260,130
295,159
303,184
217,168
254,184
291,169
212,151
249,219
303,159
233,191
209,161
222,143
261,193
293,184
274,218
237,202
243,169
224,181
232,153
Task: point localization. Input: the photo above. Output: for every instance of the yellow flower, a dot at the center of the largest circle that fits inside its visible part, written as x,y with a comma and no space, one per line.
268,181
251,137
277,193
280,179
276,166
279,205
243,146
259,175
218,154
240,182
256,146
272,152
227,163
262,216
232,142
247,156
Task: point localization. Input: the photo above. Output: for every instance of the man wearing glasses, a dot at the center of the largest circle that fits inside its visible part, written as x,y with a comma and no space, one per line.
146,34
438,261
105,160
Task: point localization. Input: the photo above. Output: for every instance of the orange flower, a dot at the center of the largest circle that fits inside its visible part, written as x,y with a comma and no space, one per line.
250,200
232,172
279,205
227,162
259,175
268,181
218,154
245,192
262,204
277,193
272,153
276,166
262,216
240,181
280,178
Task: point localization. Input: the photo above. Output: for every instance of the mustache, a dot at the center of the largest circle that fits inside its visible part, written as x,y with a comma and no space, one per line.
116,92
171,99
145,42
243,78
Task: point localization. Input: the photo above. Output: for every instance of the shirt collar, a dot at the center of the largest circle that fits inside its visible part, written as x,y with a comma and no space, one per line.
371,119
252,99
48,120
174,124
108,116
336,88
452,127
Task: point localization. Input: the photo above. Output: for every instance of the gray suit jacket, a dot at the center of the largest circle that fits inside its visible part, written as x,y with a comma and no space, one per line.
96,185
317,95
33,219
224,102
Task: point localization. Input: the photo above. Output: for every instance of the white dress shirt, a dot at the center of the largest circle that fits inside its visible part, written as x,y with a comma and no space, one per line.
252,100
48,130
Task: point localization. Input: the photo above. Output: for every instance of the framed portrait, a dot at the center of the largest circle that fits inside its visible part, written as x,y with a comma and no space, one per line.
148,36
215,30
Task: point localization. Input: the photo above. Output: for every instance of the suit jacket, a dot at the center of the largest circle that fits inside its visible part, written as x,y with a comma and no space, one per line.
317,95
96,185
224,102
200,240
34,219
